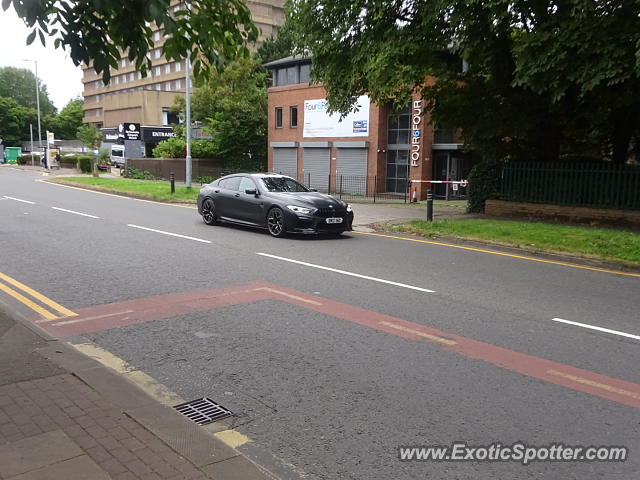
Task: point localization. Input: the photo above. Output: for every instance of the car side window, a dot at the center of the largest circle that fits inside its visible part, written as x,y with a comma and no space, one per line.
230,183
247,184
222,183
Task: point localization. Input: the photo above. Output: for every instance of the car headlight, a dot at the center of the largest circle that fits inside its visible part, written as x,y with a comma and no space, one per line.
349,209
297,209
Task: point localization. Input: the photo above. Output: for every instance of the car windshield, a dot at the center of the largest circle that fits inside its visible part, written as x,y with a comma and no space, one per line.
283,184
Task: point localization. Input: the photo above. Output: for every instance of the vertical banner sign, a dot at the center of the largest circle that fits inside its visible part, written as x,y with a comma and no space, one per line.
416,118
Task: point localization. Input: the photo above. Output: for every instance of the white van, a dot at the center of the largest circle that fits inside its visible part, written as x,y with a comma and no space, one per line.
117,155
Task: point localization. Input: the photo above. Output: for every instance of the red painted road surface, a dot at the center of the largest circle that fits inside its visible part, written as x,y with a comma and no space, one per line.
104,317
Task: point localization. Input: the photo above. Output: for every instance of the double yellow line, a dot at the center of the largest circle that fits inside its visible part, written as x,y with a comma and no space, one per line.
56,310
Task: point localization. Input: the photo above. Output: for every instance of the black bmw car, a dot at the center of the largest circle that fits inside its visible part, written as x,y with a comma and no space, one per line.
275,202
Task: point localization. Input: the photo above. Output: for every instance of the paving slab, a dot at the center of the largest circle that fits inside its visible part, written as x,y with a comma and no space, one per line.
35,452
79,468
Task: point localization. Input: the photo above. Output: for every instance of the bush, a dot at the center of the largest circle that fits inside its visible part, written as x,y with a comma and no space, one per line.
84,162
202,179
171,148
203,149
131,172
26,159
484,184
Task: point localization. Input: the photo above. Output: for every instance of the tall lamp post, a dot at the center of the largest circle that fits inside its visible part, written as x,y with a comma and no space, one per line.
37,102
187,70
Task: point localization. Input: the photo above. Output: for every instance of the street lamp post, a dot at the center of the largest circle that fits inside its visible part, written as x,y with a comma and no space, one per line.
187,94
37,103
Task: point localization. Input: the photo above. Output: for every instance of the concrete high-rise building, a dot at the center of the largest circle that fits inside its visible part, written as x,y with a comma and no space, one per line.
129,97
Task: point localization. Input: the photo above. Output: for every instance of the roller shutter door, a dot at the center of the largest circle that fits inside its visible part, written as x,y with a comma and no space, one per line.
285,161
352,170
316,168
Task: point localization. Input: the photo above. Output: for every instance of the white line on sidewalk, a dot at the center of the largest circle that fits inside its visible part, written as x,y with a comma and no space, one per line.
600,329
74,212
169,233
351,274
19,200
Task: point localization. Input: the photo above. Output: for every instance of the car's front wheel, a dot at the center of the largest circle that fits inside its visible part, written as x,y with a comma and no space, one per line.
209,212
275,222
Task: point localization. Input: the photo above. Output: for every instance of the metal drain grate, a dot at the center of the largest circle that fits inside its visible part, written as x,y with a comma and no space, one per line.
203,411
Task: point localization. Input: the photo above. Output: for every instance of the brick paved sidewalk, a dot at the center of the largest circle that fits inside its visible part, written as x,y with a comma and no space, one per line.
59,424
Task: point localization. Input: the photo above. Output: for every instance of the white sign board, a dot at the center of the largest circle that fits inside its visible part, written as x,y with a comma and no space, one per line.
319,124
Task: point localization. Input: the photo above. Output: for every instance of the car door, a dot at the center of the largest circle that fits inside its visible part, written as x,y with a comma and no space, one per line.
246,207
225,193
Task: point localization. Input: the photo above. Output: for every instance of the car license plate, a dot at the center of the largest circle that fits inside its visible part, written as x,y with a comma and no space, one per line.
334,220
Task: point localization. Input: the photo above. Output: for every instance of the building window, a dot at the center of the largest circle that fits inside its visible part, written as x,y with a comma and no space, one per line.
178,84
167,86
278,117
443,135
156,36
96,84
117,80
139,76
132,77
305,75
178,66
157,86
167,68
123,62
157,71
124,78
157,53
293,116
98,98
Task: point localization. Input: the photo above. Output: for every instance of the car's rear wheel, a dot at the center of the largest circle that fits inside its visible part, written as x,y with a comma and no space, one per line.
275,222
209,212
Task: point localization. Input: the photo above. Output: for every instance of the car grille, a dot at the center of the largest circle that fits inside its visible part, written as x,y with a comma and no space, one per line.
326,212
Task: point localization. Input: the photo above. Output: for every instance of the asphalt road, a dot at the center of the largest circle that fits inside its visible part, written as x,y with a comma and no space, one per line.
329,372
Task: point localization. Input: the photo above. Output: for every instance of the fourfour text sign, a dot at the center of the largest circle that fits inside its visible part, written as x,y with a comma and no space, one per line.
416,132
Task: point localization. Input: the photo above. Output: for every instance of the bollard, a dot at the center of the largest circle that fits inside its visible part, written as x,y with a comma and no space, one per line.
429,206
172,179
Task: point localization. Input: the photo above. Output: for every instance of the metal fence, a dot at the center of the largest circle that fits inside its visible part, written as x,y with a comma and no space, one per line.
354,187
580,184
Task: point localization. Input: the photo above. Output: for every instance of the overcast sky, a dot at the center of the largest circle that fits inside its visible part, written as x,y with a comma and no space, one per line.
55,68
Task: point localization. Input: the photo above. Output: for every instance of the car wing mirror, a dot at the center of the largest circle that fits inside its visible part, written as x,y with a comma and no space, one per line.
251,191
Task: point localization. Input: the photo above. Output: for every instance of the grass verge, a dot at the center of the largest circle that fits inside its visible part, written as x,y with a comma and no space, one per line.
587,242
160,191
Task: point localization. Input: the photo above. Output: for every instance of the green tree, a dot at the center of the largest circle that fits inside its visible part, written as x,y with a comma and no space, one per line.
88,134
13,118
233,108
277,46
65,125
96,32
20,85
540,79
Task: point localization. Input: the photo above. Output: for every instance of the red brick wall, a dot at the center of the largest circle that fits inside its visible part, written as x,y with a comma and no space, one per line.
501,208
295,95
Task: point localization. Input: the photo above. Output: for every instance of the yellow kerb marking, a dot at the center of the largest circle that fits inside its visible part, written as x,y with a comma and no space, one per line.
288,295
144,381
38,296
592,383
502,254
34,306
428,336
232,438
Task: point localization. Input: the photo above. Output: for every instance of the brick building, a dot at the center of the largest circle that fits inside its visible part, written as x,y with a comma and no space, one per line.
372,146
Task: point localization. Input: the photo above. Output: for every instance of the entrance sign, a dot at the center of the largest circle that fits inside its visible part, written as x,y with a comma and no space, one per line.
319,124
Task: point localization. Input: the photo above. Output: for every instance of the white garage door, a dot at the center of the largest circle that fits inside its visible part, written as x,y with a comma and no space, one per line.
285,161
316,168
